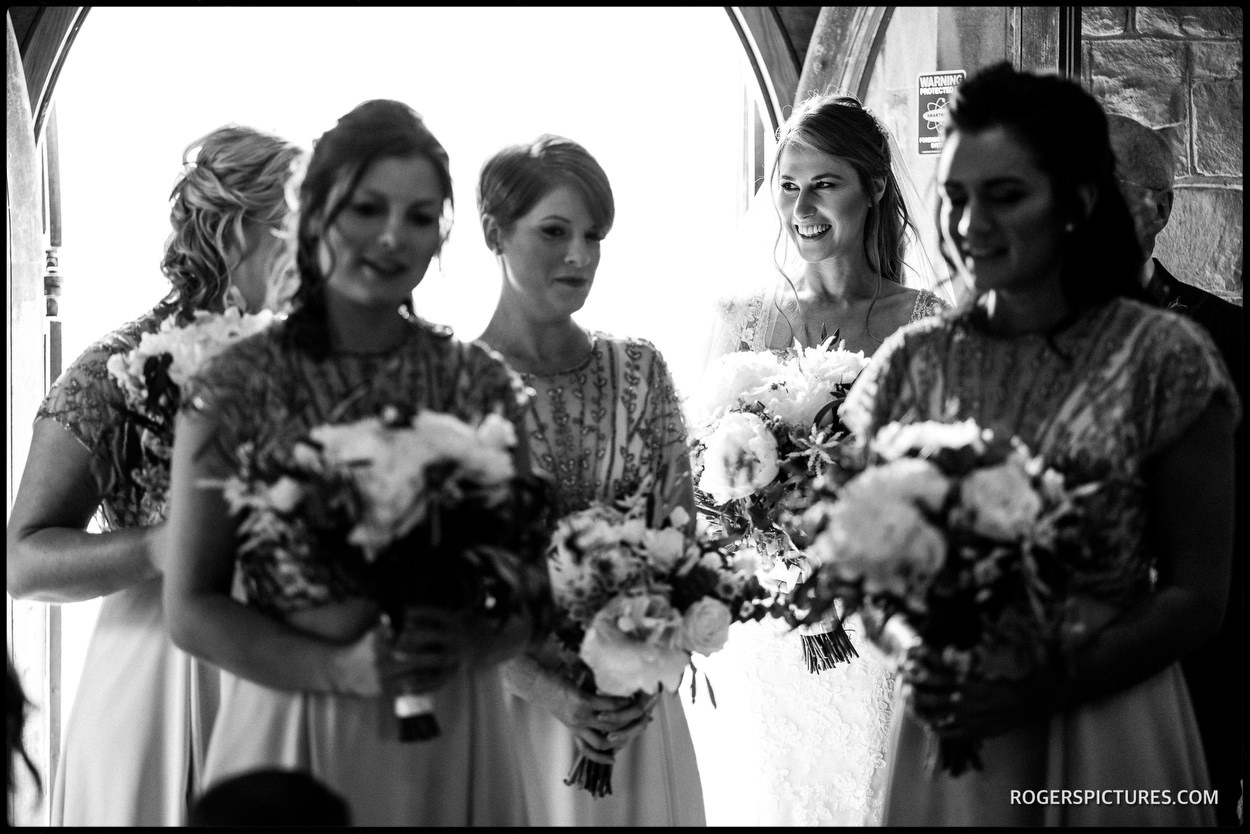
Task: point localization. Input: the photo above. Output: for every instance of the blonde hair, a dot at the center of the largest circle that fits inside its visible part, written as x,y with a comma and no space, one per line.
232,178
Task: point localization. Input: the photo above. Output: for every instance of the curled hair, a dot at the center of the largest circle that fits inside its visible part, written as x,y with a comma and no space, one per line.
232,178
374,130
517,177
839,126
1064,130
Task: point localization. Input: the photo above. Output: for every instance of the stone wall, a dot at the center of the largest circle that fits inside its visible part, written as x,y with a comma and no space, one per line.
1178,70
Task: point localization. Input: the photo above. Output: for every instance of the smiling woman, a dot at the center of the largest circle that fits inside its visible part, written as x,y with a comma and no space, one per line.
138,82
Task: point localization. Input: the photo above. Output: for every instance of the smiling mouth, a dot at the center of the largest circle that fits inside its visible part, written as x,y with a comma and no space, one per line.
812,232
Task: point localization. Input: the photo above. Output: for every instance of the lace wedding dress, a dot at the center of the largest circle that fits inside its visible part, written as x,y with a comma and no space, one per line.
785,746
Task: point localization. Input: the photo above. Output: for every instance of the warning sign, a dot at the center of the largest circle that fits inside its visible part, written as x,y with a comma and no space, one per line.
935,88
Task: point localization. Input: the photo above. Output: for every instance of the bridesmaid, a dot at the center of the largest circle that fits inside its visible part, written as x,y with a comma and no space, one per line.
133,745
1058,347
305,670
605,418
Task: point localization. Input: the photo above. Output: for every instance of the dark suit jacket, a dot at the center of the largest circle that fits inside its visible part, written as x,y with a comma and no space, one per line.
1215,672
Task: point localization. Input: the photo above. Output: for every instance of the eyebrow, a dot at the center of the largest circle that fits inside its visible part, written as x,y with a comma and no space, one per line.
827,176
367,191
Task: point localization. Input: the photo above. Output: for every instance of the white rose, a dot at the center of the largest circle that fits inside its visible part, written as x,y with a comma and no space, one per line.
889,544
705,627
908,479
284,495
999,502
740,458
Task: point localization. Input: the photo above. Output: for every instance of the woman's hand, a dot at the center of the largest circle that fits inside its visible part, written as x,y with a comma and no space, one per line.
157,548
960,706
601,724
429,648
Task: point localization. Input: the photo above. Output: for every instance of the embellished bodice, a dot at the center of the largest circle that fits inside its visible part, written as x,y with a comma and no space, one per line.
602,428
744,322
1098,399
91,406
265,394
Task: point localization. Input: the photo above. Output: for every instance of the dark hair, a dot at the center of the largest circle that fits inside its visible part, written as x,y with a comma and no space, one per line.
270,797
839,126
232,176
517,177
377,129
1065,130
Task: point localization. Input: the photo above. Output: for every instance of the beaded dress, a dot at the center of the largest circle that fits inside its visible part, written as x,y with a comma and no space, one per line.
785,746
1105,394
132,749
599,430
264,391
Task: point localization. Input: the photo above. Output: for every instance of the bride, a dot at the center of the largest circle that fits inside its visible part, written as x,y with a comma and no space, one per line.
785,746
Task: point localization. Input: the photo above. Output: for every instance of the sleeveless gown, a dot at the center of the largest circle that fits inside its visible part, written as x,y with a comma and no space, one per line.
785,746
598,430
132,749
262,391
1112,389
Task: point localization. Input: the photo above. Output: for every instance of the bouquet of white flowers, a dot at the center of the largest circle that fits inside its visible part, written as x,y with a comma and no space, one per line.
634,602
766,427
151,377
421,510
950,536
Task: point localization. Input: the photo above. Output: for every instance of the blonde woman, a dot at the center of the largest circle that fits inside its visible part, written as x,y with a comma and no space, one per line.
134,741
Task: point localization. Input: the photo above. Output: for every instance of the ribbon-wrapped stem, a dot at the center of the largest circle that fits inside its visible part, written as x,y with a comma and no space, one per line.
825,645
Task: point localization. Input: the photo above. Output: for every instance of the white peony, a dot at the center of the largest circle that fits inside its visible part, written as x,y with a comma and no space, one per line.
737,378
630,646
740,457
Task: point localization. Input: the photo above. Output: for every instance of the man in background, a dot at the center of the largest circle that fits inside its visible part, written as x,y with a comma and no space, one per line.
1215,672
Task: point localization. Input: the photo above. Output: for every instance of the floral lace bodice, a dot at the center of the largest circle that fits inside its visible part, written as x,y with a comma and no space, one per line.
1100,398
90,405
263,392
743,323
601,428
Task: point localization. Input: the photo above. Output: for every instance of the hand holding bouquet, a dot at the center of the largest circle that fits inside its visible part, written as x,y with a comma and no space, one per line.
634,603
429,510
767,429
947,536
151,377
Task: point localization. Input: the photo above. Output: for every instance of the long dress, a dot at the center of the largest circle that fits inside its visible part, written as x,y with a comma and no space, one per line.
133,746
1105,394
785,746
598,430
264,392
